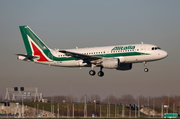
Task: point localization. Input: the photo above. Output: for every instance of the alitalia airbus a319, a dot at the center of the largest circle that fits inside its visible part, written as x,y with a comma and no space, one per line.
119,57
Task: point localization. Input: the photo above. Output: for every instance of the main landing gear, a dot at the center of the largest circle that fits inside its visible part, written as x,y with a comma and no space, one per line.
100,73
92,72
145,69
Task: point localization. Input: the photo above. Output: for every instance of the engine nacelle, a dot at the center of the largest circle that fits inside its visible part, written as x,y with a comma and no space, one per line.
125,66
111,63
81,64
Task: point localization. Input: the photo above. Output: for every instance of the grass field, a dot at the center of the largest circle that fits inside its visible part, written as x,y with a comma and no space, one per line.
98,109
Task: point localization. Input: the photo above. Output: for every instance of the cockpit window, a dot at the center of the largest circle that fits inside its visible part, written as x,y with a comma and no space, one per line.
155,48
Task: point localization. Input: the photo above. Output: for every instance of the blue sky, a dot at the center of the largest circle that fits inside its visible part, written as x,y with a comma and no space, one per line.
66,24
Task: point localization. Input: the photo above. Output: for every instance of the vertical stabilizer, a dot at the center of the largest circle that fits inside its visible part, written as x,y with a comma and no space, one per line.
33,44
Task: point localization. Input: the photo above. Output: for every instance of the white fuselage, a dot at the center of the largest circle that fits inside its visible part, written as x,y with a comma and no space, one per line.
141,53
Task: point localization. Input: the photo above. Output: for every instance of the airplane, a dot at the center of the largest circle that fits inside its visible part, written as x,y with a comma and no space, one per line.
119,57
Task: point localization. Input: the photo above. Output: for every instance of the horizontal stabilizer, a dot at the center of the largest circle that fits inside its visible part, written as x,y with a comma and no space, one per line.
28,56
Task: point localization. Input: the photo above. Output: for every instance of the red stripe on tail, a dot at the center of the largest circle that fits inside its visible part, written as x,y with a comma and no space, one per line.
38,52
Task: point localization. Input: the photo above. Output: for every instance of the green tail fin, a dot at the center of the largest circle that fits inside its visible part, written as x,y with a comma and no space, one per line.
33,44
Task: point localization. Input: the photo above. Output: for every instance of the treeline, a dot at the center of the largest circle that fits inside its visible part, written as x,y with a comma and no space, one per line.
1,98
124,99
112,99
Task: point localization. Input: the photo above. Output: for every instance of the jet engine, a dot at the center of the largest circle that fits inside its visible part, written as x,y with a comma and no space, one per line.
111,63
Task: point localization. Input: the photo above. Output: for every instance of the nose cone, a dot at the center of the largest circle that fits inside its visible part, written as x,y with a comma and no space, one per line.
164,54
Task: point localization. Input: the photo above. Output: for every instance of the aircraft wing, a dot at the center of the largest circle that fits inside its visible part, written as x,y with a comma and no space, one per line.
80,56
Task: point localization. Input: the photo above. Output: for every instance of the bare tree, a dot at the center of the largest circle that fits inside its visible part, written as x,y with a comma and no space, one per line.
171,101
95,97
83,100
127,99
1,98
111,99
56,98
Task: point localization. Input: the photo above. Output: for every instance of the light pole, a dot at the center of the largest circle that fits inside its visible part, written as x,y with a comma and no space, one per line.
107,111
22,107
108,104
58,110
85,107
95,106
168,101
100,111
37,110
123,112
135,110
115,110
53,110
51,103
162,111
130,112
173,108
138,106
153,107
73,109
68,110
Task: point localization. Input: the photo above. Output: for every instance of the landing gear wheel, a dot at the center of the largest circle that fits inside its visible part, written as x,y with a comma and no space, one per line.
100,73
146,69
92,72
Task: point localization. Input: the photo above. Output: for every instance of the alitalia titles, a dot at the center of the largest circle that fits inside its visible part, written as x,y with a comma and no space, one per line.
123,48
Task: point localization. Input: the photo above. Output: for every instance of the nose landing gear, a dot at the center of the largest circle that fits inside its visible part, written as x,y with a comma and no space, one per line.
145,69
